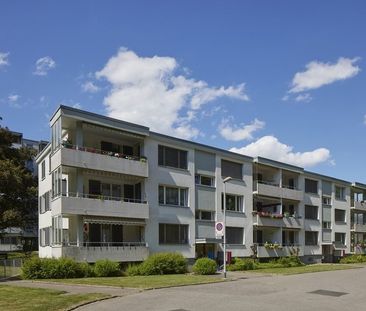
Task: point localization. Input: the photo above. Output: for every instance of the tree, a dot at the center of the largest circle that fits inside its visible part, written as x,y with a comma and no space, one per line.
18,188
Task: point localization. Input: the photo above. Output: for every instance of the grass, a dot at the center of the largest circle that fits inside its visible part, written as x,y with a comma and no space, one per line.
304,269
145,282
28,299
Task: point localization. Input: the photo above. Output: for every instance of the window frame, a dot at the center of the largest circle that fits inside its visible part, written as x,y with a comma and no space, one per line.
307,215
239,203
199,214
309,191
198,180
242,235
307,243
342,193
338,210
179,199
183,237
162,159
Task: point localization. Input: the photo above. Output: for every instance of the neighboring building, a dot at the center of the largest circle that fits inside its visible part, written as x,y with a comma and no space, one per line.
14,239
112,189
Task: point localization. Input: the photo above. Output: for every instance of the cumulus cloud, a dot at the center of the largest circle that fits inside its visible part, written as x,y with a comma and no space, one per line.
90,87
13,100
318,74
270,147
4,61
244,132
44,65
150,91
306,97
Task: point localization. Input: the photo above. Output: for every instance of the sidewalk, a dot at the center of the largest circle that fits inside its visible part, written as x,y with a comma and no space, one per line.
74,289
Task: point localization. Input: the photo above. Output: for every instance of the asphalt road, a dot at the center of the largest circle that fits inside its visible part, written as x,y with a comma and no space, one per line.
261,293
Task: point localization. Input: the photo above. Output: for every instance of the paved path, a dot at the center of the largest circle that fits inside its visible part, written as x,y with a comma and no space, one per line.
74,289
275,293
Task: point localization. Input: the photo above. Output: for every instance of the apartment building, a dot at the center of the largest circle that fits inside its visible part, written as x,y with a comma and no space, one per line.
112,189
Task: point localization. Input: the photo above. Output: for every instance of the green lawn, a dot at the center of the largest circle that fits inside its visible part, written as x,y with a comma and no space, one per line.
305,269
27,299
145,282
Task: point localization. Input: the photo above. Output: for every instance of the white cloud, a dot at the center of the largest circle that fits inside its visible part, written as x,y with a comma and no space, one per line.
77,106
90,87
4,61
305,97
13,101
318,74
239,133
13,97
270,147
149,91
43,65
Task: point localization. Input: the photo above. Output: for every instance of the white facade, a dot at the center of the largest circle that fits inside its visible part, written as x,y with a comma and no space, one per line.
111,189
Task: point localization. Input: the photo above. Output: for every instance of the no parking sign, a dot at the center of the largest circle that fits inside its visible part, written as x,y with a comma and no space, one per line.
219,229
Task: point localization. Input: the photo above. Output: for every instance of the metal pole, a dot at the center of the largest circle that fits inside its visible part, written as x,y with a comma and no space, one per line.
225,230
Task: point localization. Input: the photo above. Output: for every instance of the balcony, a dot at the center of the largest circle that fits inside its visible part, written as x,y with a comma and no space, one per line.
312,250
358,228
359,205
276,220
276,250
96,159
121,252
86,204
271,189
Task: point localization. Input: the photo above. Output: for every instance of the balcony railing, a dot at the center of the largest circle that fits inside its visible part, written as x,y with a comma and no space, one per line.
103,152
107,244
102,197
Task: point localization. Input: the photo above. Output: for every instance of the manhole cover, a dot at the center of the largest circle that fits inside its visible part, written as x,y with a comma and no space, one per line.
328,293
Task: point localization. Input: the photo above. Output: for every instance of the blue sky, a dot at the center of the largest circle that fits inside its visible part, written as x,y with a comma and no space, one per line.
283,79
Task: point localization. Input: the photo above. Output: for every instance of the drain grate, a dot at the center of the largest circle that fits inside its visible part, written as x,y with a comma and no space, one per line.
328,293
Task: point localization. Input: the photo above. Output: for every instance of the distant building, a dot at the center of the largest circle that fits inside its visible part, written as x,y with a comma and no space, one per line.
14,239
112,189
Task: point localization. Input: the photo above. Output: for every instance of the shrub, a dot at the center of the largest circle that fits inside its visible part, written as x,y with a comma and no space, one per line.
242,264
105,268
204,266
285,262
353,259
86,270
50,268
160,263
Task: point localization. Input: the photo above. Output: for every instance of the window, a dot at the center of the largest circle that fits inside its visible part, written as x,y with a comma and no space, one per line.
311,186
327,225
45,236
205,215
311,212
311,238
56,230
340,238
340,193
56,134
56,182
231,169
44,203
327,200
49,164
339,215
173,234
43,165
204,180
233,203
172,157
173,196
234,235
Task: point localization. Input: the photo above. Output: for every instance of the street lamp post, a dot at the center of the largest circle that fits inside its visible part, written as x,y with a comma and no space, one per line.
224,241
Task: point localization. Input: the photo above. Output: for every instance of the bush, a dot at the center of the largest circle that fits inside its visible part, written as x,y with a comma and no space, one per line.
133,270
204,266
50,268
242,264
105,268
285,262
86,270
160,263
353,259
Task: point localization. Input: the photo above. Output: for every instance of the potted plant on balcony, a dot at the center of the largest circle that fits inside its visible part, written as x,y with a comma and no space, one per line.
143,159
67,143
